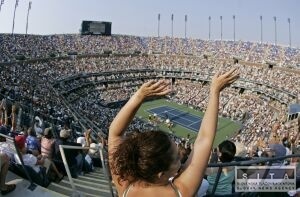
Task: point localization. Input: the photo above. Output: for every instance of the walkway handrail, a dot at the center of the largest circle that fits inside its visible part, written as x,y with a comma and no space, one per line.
63,156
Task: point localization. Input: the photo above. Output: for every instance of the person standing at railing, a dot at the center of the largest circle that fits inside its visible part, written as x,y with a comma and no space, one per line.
147,163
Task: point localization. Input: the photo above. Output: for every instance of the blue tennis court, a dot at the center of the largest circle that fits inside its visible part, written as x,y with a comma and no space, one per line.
177,116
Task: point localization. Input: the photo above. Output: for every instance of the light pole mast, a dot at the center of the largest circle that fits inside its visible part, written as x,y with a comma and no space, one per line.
209,21
233,27
1,3
29,8
275,25
221,18
290,36
172,24
261,30
185,21
13,26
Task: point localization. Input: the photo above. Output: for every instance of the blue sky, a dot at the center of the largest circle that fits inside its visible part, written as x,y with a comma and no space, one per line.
139,17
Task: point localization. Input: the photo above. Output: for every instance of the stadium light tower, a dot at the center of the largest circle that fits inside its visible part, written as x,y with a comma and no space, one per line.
29,8
158,24
209,21
221,18
290,36
172,24
261,30
185,21
13,26
233,17
1,3
275,25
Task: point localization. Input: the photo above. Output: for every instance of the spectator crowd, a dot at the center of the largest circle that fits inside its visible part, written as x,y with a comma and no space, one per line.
67,91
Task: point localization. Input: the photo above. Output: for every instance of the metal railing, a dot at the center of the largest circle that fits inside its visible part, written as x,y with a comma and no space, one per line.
105,169
252,161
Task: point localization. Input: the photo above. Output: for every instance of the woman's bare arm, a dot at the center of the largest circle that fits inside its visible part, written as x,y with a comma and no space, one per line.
194,169
125,116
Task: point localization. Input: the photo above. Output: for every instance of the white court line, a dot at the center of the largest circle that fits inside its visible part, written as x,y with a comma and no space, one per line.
182,118
193,123
173,109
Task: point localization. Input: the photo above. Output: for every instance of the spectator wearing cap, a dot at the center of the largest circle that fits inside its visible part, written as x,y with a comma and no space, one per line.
74,157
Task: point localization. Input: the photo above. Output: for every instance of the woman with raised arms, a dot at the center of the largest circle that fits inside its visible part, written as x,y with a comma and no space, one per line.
147,163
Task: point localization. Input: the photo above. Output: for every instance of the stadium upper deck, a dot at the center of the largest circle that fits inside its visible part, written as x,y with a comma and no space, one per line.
36,46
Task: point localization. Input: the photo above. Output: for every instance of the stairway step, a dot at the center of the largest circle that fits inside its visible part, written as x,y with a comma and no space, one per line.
95,175
92,179
103,185
90,185
86,188
68,191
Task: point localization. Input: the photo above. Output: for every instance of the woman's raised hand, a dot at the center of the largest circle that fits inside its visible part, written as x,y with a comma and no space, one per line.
153,88
220,81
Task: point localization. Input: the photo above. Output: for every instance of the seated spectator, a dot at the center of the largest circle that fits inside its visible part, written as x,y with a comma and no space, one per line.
86,139
81,140
33,143
47,149
5,147
278,151
39,165
74,157
102,143
30,159
183,153
38,126
226,151
4,164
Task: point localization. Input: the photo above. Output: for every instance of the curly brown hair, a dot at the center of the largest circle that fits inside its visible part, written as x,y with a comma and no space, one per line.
141,156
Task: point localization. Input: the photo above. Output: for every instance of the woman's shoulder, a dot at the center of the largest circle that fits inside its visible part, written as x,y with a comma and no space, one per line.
136,190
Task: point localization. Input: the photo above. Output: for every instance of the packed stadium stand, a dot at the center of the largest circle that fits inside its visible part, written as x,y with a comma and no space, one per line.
75,83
